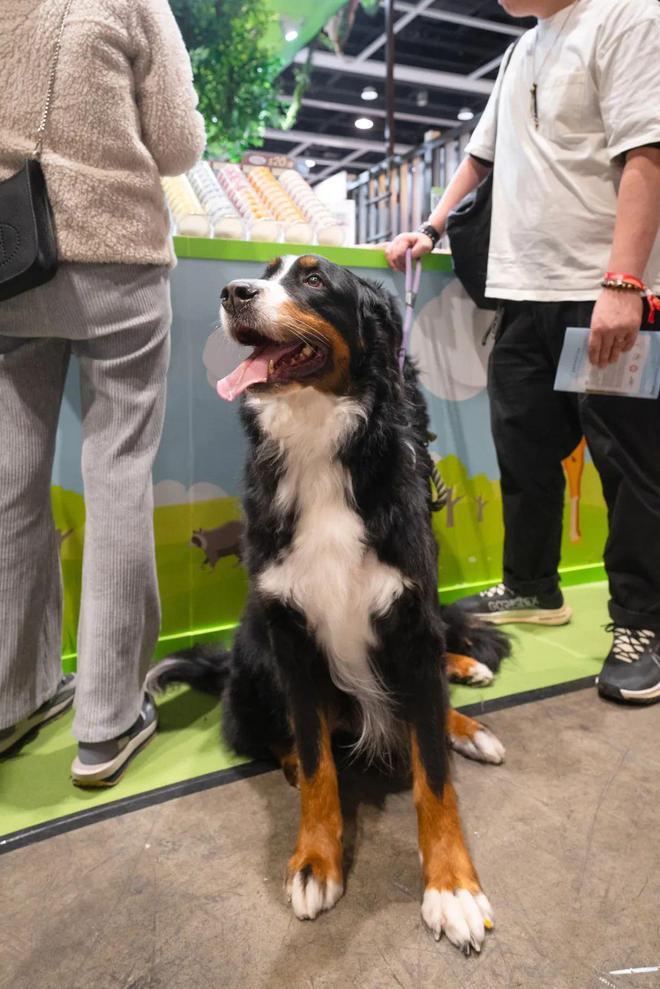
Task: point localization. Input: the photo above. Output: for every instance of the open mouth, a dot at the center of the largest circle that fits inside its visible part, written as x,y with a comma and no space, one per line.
274,364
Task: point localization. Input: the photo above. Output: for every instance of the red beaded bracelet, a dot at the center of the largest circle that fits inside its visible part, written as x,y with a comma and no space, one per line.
614,279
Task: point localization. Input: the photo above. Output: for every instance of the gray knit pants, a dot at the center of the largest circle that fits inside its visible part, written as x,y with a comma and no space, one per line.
115,319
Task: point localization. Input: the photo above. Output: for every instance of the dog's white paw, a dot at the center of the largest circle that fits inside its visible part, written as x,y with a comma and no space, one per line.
310,896
480,674
464,917
483,746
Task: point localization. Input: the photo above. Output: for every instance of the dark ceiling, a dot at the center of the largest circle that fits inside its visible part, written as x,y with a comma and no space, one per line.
425,43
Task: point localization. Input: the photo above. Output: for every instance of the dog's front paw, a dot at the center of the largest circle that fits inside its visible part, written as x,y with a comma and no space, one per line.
313,887
463,916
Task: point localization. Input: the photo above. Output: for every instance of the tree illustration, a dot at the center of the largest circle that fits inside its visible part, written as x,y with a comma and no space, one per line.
574,468
451,502
481,503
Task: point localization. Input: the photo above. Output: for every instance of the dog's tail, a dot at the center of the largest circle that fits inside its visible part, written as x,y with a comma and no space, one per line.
204,667
473,637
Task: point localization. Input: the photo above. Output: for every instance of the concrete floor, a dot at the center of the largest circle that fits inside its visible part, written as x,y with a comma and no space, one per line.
188,894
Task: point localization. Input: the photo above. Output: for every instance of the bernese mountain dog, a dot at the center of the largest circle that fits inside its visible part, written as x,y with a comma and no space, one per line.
343,630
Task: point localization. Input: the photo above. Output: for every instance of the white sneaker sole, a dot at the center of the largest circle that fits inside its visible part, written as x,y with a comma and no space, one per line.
108,773
646,696
544,616
36,721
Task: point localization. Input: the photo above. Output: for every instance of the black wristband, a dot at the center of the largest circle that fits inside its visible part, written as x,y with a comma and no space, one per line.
430,231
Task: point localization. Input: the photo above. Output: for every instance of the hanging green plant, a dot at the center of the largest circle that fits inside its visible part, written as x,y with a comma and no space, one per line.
234,71
336,32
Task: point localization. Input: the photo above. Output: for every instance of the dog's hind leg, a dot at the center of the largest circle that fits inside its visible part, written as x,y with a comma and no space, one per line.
465,669
472,739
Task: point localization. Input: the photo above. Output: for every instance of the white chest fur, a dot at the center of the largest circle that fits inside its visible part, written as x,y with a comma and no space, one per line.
329,573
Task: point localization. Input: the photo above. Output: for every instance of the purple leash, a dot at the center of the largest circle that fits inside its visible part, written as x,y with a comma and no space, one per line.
413,279
412,288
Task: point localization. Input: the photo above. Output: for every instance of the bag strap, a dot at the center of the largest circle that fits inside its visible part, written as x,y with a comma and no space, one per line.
507,60
41,130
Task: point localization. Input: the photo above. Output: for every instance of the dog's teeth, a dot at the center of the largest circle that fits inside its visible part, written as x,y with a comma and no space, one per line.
271,367
307,350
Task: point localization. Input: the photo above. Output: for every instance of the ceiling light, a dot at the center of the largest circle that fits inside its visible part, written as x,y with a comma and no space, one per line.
364,123
465,113
310,162
422,98
369,93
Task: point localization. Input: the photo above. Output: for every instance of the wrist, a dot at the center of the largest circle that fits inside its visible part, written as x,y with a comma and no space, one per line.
431,231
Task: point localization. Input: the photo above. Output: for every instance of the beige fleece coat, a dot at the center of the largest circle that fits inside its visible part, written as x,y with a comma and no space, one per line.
123,114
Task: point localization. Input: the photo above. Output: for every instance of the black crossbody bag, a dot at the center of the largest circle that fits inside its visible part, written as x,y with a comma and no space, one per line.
468,229
28,249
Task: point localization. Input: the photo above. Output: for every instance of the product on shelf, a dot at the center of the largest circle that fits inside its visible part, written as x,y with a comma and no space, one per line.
188,214
296,227
225,220
328,230
263,225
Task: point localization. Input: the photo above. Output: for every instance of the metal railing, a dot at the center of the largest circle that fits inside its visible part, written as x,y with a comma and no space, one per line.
395,195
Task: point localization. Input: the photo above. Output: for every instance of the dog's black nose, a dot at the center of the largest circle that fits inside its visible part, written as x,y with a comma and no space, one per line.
237,293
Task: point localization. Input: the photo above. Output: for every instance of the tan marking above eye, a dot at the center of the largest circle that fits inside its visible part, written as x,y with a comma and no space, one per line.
308,261
273,266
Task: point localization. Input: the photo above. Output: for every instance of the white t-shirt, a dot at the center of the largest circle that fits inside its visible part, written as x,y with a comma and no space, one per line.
555,187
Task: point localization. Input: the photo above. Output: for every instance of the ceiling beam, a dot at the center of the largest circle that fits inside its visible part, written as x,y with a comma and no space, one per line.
332,141
487,67
338,166
366,110
298,150
466,20
399,25
426,78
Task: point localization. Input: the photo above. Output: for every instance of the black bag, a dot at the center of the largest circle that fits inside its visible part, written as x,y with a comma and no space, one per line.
28,252
28,249
468,229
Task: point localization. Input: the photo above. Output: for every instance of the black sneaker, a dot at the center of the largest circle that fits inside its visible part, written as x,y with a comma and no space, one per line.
632,669
501,605
60,702
103,763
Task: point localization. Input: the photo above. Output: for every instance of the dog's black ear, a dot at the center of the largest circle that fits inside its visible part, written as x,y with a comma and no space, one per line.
380,317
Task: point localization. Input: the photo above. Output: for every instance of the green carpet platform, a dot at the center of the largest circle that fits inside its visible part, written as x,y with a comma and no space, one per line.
37,798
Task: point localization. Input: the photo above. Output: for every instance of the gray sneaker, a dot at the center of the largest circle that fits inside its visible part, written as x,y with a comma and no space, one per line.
61,701
103,763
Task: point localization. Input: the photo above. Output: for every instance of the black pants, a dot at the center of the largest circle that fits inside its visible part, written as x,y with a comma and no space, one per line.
535,428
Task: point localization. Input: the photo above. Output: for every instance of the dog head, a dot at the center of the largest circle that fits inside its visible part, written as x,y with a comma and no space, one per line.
311,324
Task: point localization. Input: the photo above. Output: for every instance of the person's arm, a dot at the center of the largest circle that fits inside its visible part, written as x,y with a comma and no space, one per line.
172,129
466,178
617,314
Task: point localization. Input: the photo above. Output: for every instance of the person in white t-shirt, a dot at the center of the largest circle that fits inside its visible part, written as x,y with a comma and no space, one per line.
572,133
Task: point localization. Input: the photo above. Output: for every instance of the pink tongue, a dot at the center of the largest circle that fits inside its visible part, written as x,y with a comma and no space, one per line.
252,371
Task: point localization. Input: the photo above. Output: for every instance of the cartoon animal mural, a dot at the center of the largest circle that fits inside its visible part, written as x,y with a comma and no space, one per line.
574,468
219,543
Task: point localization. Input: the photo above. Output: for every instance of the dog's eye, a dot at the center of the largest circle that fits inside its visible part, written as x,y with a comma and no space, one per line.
314,281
